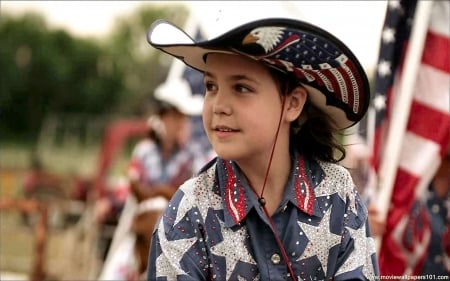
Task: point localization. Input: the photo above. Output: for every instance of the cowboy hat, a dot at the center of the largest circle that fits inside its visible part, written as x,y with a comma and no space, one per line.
334,78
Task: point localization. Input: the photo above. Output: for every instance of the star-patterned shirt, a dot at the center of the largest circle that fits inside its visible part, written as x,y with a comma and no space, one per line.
215,229
148,165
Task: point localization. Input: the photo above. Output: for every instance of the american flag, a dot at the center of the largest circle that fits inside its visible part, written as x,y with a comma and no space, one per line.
405,242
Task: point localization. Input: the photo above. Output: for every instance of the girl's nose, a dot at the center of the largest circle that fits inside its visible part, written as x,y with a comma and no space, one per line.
221,104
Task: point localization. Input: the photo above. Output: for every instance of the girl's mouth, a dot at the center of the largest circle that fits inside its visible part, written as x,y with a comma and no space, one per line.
224,131
223,128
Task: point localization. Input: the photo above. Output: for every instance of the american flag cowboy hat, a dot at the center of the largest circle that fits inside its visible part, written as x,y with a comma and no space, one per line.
334,78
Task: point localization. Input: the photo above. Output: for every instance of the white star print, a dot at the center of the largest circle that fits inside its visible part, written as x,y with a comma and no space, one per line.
171,255
384,68
388,35
205,199
184,205
233,248
325,189
320,250
208,199
332,185
361,254
379,102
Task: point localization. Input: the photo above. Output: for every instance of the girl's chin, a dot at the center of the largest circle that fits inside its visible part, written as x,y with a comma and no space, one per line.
227,154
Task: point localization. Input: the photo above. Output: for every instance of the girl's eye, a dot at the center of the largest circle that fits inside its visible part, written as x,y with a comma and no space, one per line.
210,86
239,88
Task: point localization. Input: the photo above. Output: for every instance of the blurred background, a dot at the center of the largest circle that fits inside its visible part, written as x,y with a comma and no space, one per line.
77,82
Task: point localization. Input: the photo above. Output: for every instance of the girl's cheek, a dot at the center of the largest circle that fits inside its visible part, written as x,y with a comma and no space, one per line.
207,106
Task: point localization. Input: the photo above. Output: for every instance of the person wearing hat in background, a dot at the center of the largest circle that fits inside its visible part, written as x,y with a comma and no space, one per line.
274,204
162,161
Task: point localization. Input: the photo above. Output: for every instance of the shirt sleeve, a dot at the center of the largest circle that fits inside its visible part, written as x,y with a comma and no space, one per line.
175,243
136,169
357,259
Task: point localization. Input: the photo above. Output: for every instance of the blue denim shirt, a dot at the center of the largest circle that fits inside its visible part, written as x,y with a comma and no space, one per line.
215,229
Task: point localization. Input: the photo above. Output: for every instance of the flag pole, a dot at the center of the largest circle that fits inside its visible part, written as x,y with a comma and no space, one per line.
401,108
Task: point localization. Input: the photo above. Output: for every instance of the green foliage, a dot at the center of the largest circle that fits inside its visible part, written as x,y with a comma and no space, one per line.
46,71
143,67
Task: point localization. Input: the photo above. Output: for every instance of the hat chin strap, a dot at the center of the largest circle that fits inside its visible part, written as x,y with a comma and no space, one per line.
262,201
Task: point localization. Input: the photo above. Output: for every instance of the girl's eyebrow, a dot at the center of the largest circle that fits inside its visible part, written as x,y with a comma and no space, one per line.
235,77
209,74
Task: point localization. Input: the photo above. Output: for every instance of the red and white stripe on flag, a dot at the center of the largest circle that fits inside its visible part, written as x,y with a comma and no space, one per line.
425,142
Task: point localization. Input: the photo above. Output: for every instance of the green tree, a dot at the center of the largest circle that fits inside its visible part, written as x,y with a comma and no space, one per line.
46,71
143,67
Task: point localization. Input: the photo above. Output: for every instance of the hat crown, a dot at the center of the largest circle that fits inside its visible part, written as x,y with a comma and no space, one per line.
314,57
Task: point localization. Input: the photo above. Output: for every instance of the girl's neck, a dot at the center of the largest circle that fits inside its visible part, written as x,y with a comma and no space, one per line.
167,148
255,173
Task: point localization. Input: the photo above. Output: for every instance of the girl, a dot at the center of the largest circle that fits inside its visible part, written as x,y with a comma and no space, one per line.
273,205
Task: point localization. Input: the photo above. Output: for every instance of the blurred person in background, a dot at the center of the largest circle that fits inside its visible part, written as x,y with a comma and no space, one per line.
431,214
437,203
357,160
163,160
41,185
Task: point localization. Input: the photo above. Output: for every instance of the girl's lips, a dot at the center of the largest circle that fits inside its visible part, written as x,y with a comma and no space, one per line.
224,131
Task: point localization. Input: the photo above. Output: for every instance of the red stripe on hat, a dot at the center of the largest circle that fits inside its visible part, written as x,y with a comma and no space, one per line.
357,96
316,77
334,80
327,80
344,86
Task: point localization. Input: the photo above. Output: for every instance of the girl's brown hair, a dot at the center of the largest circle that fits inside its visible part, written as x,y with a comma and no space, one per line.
315,137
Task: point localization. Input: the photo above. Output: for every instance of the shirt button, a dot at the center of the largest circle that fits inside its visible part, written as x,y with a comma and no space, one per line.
275,258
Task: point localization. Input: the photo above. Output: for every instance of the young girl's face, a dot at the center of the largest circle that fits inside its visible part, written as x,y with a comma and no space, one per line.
242,107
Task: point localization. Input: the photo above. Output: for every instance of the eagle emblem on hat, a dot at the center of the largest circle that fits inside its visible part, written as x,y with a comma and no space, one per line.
270,38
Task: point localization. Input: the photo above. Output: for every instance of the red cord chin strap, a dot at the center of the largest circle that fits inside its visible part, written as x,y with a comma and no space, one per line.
262,201
261,198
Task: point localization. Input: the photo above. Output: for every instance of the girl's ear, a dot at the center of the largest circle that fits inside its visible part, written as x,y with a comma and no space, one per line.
295,102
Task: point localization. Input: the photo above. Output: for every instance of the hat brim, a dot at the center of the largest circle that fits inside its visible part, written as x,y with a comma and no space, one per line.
344,100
